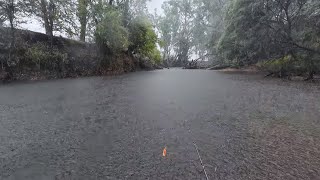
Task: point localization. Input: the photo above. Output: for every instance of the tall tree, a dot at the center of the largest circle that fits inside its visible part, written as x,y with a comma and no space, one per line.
265,30
177,25
54,15
9,11
48,10
83,13
191,27
165,27
208,26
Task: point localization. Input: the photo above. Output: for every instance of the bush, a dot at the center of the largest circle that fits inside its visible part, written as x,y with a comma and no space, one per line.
111,35
156,57
143,39
277,65
45,58
288,65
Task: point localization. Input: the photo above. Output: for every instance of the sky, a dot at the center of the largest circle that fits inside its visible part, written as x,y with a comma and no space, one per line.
155,4
35,26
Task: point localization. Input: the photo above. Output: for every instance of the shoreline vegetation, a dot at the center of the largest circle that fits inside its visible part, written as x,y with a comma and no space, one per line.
104,38
35,59
280,38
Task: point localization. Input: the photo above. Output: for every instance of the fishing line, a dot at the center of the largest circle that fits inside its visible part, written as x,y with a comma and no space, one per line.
204,169
197,149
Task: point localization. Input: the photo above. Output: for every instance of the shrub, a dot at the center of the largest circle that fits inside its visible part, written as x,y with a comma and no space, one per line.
277,65
288,65
143,39
45,58
156,57
111,35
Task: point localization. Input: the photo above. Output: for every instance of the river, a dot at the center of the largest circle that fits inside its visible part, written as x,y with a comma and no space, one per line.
245,126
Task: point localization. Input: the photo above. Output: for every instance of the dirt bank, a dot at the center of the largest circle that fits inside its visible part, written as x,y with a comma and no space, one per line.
36,57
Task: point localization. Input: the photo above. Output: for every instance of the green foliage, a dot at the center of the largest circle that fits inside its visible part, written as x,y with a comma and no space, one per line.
111,35
191,27
44,58
176,28
287,65
260,31
83,14
244,39
155,56
277,65
143,39
54,15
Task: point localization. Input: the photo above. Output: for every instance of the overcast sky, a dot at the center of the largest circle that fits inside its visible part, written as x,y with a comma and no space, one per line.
35,26
155,4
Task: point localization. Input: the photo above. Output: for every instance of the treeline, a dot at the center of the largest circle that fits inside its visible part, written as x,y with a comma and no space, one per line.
190,29
116,26
281,36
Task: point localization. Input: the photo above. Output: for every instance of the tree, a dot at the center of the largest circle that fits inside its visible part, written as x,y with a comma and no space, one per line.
82,14
191,28
9,11
143,39
131,9
265,30
179,15
209,26
244,37
136,7
165,29
111,35
55,15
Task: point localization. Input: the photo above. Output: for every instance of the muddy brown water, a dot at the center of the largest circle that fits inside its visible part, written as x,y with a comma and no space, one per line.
246,127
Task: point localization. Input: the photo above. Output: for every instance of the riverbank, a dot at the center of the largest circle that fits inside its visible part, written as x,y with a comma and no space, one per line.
38,57
254,69
247,69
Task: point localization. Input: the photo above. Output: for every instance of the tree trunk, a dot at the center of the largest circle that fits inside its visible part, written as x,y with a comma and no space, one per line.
11,15
126,14
83,30
48,14
51,17
45,17
83,13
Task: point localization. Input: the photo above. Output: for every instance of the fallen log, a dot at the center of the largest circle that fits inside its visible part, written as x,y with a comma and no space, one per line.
219,67
270,74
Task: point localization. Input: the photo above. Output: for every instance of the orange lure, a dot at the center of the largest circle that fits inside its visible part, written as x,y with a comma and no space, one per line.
164,153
